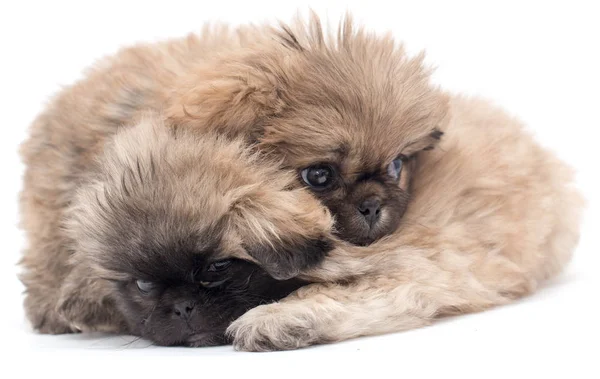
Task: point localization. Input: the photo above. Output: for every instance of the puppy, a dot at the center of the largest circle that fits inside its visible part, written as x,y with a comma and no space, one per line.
346,113
492,216
157,232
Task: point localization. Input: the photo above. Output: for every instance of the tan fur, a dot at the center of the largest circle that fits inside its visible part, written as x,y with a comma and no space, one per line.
258,83
492,215
206,180
354,101
70,135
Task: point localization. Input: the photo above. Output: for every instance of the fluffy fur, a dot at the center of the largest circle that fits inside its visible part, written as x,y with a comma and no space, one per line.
353,104
159,205
492,215
478,221
350,104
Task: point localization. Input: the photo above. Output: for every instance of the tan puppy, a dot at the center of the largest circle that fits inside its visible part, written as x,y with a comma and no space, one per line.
492,215
156,231
347,113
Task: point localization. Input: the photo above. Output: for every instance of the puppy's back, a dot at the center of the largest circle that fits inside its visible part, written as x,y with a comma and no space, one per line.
491,177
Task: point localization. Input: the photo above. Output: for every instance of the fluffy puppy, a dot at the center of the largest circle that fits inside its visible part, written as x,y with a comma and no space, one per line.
492,215
346,113
158,232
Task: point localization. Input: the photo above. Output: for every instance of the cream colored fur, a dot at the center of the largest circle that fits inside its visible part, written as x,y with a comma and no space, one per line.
492,216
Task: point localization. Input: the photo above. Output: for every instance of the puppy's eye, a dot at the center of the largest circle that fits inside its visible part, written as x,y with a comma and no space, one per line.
214,274
219,265
212,284
395,167
145,286
319,177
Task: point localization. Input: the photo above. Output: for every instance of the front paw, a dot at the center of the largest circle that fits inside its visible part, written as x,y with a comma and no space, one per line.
272,327
52,323
85,316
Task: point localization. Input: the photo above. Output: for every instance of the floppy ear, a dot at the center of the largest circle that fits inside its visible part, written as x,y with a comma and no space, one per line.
287,259
429,142
227,96
440,116
285,232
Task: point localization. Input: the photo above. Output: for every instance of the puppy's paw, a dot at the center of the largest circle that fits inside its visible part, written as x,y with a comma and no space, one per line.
48,322
71,311
39,308
85,316
272,327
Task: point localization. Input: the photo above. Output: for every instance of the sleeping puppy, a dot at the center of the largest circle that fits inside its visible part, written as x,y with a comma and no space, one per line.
347,114
158,232
492,216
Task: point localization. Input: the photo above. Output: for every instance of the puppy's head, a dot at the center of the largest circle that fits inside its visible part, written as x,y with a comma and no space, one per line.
191,231
348,114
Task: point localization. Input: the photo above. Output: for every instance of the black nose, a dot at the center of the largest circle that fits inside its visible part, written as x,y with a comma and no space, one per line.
371,210
183,309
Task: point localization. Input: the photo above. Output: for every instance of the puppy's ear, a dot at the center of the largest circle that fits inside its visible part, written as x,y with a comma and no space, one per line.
428,142
437,118
285,232
229,96
287,259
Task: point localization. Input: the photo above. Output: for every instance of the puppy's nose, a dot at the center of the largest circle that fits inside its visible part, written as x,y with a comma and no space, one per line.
371,210
184,309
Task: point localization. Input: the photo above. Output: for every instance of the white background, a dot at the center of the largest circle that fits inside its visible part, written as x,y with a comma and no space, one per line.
539,60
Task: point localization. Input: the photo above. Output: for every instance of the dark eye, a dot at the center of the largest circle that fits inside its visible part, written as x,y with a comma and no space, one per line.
213,277
395,167
318,177
219,265
212,284
145,286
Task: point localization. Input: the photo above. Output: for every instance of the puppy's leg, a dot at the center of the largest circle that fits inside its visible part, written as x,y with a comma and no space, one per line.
60,299
78,306
420,287
85,303
40,310
40,306
44,269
